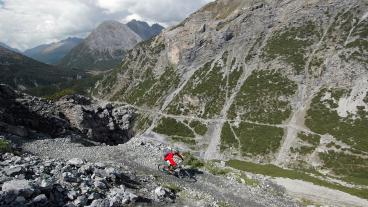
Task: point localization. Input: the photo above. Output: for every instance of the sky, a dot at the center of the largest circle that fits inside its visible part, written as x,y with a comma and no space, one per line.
28,23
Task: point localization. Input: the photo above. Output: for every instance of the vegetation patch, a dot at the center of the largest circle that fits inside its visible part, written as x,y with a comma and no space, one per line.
142,122
215,170
4,146
313,139
264,98
172,127
185,140
292,44
198,127
257,139
303,150
168,80
243,178
228,139
274,171
323,118
192,161
208,87
352,168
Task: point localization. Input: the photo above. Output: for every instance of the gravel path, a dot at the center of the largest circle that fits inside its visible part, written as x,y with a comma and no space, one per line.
144,158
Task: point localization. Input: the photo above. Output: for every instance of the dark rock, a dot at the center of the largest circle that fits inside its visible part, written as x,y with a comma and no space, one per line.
40,200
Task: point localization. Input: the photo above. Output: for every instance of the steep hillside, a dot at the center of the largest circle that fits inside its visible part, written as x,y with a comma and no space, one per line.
24,73
103,49
54,52
144,30
281,82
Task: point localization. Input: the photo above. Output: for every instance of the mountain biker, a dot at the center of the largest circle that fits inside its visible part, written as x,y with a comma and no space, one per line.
169,155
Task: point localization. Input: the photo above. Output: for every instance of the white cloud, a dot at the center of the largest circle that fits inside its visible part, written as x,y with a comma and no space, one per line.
27,23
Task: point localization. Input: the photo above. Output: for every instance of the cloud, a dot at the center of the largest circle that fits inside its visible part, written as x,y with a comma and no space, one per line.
28,23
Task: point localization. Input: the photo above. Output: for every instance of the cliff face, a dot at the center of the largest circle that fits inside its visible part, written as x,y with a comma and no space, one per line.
282,82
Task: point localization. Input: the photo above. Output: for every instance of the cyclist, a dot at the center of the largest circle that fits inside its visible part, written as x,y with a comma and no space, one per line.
169,155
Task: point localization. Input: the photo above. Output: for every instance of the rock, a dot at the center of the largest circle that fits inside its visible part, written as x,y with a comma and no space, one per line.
14,170
72,195
20,199
99,184
18,187
69,177
76,162
94,196
81,200
100,203
159,193
163,194
47,183
40,200
100,165
86,169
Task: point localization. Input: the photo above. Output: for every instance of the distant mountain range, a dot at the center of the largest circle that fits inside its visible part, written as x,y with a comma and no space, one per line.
54,52
23,73
103,49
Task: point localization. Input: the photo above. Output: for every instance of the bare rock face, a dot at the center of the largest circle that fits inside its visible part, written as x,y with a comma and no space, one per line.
105,124
27,116
21,115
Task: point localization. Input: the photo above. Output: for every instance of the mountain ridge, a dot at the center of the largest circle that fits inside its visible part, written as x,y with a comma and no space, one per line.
23,73
52,53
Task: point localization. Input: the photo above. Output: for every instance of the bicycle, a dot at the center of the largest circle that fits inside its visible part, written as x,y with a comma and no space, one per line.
179,172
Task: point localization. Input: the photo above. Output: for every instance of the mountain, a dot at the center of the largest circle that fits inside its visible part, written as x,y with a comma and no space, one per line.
277,82
9,48
144,30
103,49
24,73
54,52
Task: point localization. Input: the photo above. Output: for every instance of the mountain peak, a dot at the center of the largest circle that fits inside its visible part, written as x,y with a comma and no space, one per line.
103,48
144,30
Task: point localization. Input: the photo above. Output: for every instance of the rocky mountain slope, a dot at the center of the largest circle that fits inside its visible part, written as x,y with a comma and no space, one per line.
52,53
24,73
103,49
282,82
144,30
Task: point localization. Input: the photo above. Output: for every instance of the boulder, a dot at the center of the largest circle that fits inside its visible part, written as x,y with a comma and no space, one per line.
40,200
76,162
14,170
18,187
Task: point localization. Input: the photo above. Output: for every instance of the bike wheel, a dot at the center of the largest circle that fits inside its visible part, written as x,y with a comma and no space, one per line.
162,168
186,176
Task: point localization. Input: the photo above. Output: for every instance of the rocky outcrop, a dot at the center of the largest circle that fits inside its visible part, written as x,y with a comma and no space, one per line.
101,123
76,183
32,117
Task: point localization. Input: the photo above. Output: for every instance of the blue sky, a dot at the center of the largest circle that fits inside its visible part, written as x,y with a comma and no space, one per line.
28,23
